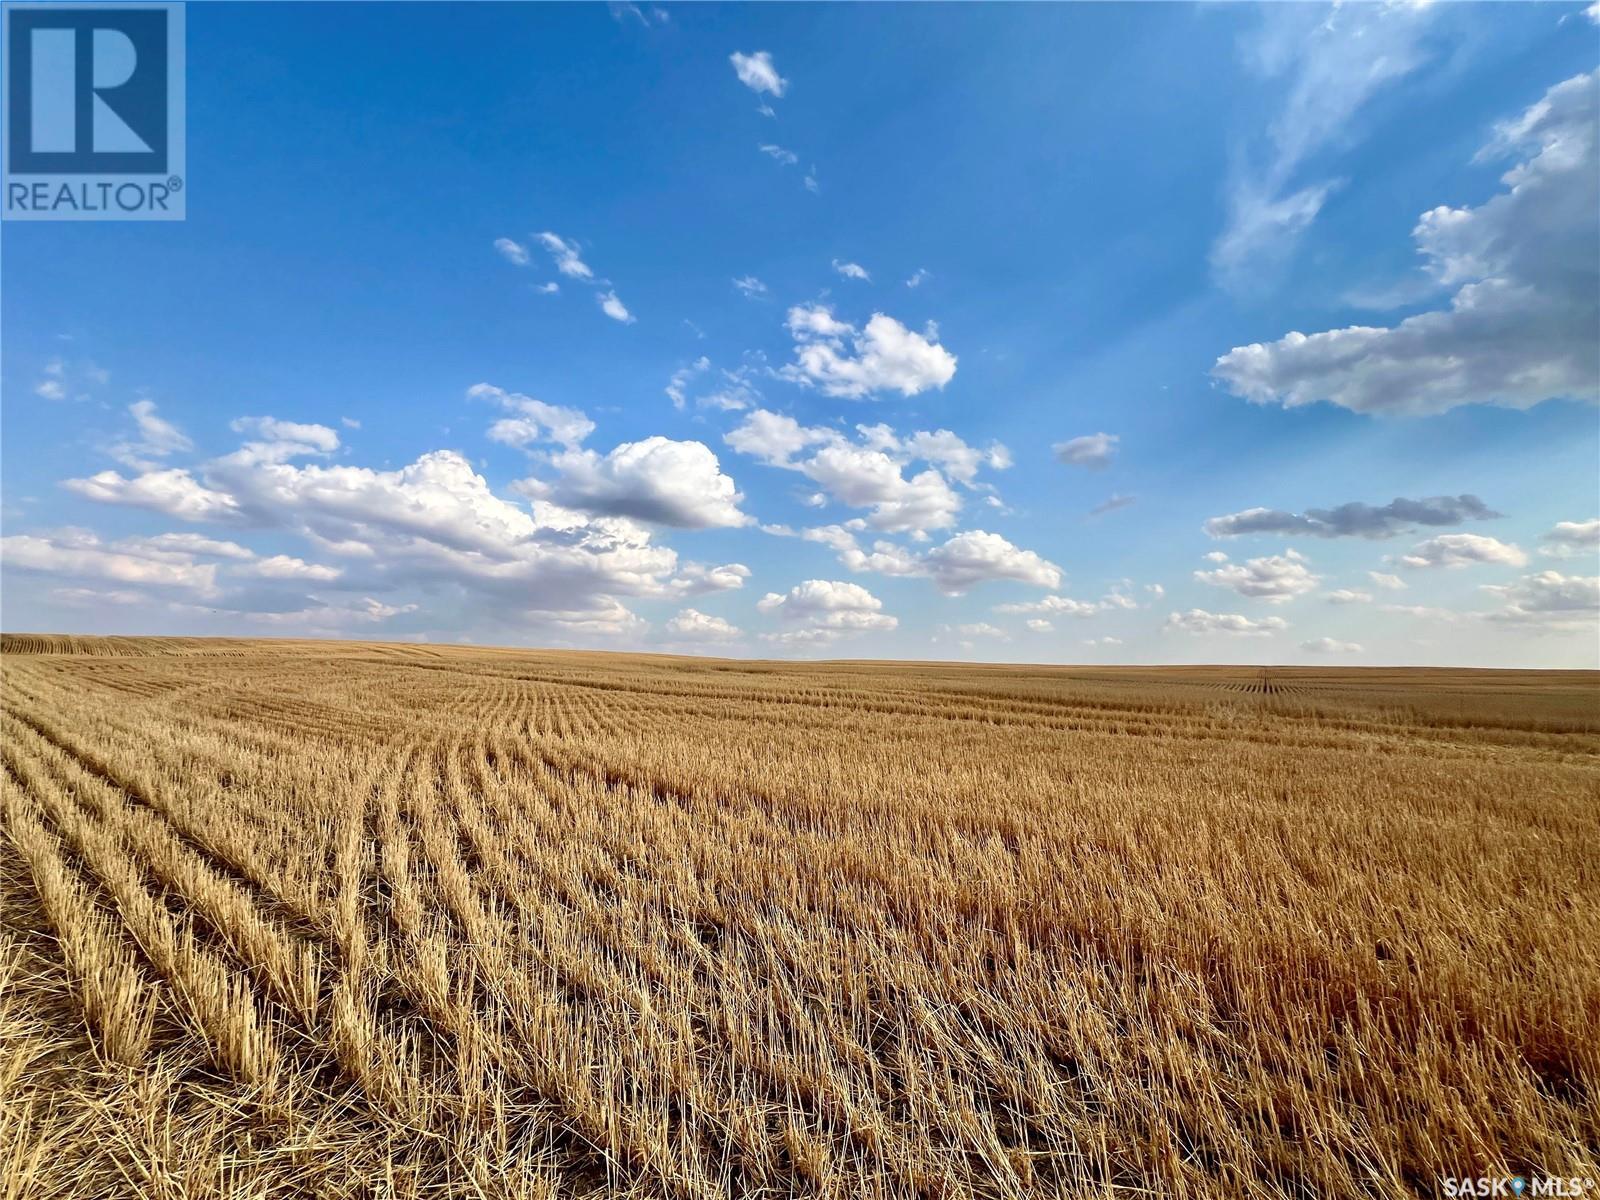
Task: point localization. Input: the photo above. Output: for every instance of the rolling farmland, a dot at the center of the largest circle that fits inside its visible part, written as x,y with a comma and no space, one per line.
343,919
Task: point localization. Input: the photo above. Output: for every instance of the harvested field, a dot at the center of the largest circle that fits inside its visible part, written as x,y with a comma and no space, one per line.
341,919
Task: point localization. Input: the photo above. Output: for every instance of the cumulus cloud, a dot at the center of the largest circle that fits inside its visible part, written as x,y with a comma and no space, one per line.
81,554
279,441
775,439
1058,606
691,625
614,308
976,556
885,356
1572,539
1274,578
1549,600
1039,625
1354,519
757,72
535,421
821,610
1094,450
1348,596
697,579
188,545
1462,550
563,563
1199,621
1520,326
284,566
786,158
919,277
1328,645
851,270
955,567
657,480
1390,583
871,479
172,492
870,473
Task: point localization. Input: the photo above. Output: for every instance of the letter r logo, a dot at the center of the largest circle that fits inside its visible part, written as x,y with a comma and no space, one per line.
87,90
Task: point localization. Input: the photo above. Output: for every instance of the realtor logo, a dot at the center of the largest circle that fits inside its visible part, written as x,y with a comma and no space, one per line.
94,112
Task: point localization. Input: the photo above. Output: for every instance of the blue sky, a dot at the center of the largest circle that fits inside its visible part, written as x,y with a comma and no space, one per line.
859,314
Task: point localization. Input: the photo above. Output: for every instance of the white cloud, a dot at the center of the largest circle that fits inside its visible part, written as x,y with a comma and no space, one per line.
514,253
1328,645
80,554
284,566
677,386
1335,61
157,438
1040,625
1390,583
548,289
863,478
656,480
1550,600
1520,327
615,309
1105,641
1348,596
490,564
951,454
975,557
757,72
885,356
787,158
1274,578
691,625
188,545
698,579
960,564
1058,606
535,421
967,633
1461,550
175,493
822,610
775,439
1199,621
871,474
749,285
279,441
921,275
851,270
1572,539
566,254
1094,450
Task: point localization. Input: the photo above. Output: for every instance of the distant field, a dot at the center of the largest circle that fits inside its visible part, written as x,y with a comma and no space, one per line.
341,919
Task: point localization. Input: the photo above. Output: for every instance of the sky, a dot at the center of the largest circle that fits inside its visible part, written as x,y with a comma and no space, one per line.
1092,333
